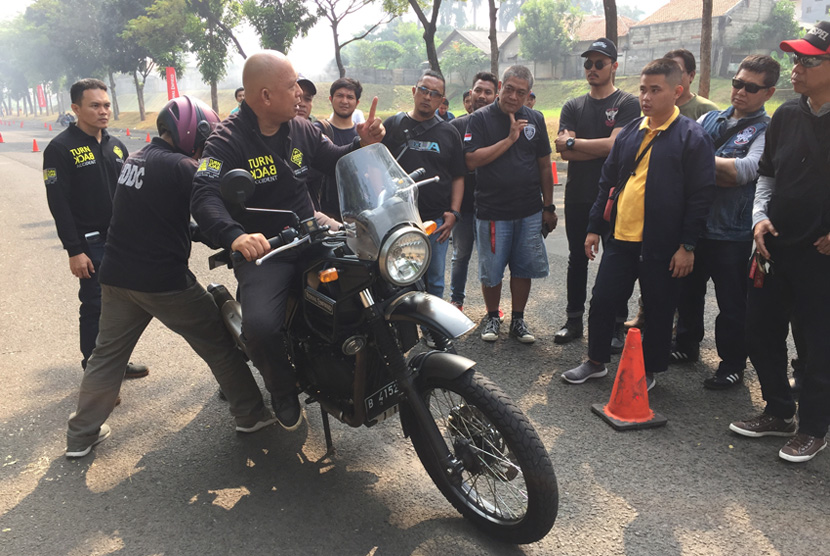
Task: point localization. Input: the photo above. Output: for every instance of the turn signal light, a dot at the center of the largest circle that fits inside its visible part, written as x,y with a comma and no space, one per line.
430,227
328,275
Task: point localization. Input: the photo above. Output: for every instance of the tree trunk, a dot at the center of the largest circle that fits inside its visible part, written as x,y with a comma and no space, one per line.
494,40
705,50
214,96
115,111
610,7
432,53
139,93
337,48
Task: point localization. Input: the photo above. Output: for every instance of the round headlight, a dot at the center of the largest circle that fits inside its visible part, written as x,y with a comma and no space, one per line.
405,256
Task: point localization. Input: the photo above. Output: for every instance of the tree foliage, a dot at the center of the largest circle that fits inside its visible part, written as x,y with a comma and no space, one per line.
546,29
465,60
279,22
767,35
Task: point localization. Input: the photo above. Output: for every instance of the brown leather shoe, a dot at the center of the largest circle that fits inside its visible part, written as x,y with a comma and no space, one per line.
637,322
136,371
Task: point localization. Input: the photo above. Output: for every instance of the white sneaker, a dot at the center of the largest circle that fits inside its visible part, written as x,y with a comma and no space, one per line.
103,434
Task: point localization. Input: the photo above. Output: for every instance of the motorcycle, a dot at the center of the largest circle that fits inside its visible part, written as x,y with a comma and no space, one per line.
352,323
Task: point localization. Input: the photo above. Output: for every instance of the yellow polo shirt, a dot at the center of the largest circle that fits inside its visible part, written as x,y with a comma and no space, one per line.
631,206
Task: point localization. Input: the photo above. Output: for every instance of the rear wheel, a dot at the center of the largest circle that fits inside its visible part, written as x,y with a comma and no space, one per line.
507,485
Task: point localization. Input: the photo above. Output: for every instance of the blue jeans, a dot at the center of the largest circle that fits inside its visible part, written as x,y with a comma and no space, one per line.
89,295
435,272
463,241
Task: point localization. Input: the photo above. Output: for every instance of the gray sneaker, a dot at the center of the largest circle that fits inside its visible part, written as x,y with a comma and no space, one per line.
764,425
103,434
265,420
491,329
584,372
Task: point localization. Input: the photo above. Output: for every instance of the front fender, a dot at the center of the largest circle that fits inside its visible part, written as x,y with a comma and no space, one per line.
431,312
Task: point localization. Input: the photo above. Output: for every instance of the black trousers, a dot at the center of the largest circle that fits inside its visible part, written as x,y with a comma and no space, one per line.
798,289
576,228
264,292
725,262
619,269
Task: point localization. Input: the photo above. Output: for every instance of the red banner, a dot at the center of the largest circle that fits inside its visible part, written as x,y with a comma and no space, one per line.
41,98
172,86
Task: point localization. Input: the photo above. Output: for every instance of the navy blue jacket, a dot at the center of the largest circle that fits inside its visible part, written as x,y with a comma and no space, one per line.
680,185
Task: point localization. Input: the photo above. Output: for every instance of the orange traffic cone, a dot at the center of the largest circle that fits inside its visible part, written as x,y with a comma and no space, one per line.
21,124
34,146
128,132
44,125
50,127
148,138
555,173
628,406
1,138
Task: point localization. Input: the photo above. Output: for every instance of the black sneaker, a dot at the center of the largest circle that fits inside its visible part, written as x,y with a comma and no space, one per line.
570,331
618,340
520,331
491,329
288,411
683,355
724,380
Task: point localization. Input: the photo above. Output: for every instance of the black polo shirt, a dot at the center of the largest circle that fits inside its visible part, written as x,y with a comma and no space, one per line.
80,175
438,151
510,187
279,165
468,202
148,244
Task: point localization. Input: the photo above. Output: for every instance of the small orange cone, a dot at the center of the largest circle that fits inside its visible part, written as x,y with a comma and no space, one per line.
555,173
1,138
34,146
128,132
148,138
21,124
50,127
628,407
44,125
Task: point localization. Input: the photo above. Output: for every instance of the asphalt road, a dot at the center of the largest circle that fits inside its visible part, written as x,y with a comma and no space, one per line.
174,477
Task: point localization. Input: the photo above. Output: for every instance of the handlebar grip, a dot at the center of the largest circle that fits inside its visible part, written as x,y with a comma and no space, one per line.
417,174
283,238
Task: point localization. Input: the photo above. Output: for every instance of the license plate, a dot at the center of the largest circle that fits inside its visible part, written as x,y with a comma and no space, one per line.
383,399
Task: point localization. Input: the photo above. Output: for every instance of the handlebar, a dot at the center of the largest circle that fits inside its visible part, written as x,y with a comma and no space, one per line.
286,237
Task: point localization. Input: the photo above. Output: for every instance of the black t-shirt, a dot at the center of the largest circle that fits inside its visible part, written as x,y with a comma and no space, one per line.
438,151
148,243
508,188
592,118
80,175
468,203
323,186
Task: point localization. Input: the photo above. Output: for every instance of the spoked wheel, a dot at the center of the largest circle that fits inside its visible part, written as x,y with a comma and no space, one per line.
507,485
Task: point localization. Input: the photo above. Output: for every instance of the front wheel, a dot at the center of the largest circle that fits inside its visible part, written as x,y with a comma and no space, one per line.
507,486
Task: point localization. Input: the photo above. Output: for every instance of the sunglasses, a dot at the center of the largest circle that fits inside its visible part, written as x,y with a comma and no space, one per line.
750,87
599,64
809,61
429,92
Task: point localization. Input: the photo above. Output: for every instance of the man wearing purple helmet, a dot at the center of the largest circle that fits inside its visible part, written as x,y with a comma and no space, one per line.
145,275
791,268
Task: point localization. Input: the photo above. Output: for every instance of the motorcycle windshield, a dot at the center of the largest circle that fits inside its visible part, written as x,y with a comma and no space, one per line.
376,196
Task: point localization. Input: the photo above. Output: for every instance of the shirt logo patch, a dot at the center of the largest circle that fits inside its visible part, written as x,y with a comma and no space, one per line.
263,168
468,137
50,176
529,131
611,116
745,135
424,146
83,156
297,157
118,152
209,167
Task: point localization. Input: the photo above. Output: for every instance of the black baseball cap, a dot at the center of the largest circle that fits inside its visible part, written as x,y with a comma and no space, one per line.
302,79
532,94
815,43
603,46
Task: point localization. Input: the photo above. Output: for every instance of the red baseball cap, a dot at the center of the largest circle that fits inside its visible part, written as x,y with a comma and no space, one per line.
815,43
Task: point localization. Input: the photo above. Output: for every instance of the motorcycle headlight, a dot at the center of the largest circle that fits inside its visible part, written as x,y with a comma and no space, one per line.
405,256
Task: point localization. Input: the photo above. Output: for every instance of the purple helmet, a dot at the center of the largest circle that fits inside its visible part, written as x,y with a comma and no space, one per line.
189,121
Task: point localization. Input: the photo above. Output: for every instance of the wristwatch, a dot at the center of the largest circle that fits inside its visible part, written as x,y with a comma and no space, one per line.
570,143
550,208
456,214
688,247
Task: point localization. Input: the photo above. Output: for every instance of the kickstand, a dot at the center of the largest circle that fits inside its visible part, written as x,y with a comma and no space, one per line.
327,433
